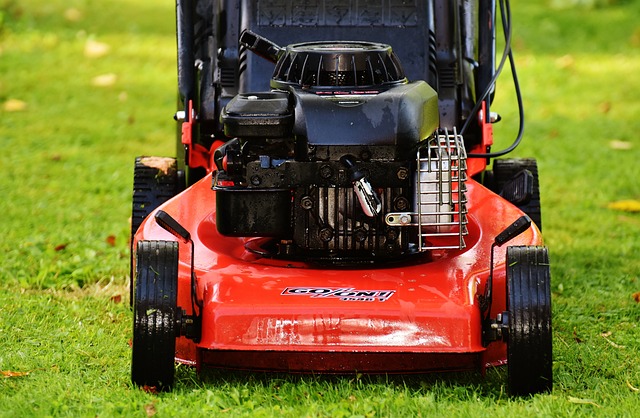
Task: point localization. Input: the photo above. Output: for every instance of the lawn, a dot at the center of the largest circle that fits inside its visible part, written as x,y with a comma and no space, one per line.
87,86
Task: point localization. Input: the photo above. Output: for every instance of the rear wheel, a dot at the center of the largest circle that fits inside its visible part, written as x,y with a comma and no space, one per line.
155,180
529,341
155,314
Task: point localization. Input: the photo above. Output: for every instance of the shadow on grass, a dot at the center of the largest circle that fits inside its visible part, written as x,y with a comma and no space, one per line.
459,385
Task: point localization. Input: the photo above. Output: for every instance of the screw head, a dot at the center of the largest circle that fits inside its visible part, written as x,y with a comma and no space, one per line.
306,203
360,234
326,234
401,203
403,173
326,172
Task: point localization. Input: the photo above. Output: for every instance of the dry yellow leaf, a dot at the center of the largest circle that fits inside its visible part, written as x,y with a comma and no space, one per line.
622,145
104,80
630,205
8,373
166,165
565,61
95,49
14,105
72,14
583,401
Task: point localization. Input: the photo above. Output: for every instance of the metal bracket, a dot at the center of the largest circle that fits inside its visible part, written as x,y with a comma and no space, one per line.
495,329
401,219
189,326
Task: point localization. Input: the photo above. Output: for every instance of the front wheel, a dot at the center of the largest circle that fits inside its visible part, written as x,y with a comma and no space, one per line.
529,340
155,180
155,314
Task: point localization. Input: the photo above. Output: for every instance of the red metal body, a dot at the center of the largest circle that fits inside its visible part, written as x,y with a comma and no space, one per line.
418,315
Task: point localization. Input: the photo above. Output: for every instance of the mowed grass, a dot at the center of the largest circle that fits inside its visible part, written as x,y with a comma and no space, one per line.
87,86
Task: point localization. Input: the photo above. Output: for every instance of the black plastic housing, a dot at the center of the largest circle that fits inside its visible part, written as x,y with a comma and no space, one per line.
265,114
253,212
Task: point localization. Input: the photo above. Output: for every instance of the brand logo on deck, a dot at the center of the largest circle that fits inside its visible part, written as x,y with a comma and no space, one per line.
342,293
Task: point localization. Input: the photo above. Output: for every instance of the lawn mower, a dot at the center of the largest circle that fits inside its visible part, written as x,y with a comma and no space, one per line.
330,207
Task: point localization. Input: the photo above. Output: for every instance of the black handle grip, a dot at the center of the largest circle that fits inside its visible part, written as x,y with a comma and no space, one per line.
171,225
518,227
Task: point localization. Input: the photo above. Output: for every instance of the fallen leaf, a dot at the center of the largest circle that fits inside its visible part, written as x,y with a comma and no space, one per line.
630,205
104,80
636,297
95,49
575,336
614,345
621,145
116,298
150,409
130,342
7,373
605,107
111,240
565,61
60,247
166,165
72,14
14,105
149,389
583,401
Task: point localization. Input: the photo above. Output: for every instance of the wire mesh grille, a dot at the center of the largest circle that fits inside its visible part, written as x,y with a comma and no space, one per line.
441,192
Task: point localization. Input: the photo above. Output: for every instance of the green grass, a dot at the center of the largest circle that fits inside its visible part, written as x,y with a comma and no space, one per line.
67,163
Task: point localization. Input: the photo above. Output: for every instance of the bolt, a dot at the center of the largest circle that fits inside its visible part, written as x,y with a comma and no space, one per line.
403,173
326,172
360,234
256,180
326,234
401,203
306,203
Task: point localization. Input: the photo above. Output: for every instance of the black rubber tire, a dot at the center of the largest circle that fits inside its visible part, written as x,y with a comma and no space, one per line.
529,340
152,187
155,314
505,169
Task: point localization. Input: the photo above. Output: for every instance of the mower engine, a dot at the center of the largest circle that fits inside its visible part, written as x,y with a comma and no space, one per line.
341,162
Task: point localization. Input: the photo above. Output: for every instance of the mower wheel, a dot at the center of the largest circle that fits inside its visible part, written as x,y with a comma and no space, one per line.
155,314
155,180
529,340
506,169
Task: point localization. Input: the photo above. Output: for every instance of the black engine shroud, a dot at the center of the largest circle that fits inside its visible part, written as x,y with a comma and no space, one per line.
319,161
